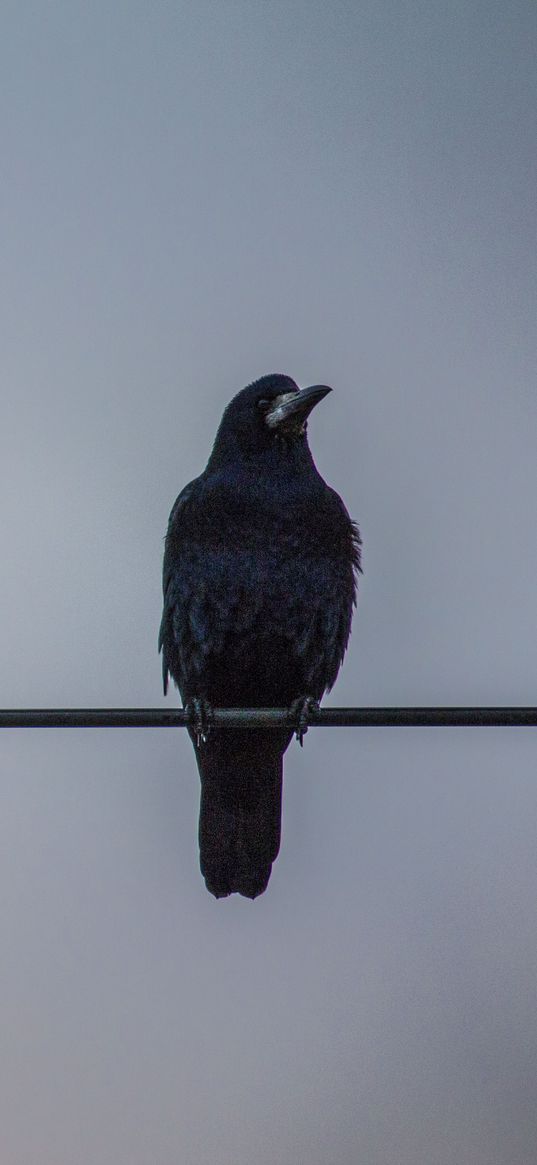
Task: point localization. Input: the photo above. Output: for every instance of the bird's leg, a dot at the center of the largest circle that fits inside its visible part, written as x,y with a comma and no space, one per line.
299,715
199,714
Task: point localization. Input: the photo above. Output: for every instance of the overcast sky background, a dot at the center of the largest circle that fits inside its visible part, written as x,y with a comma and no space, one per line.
194,195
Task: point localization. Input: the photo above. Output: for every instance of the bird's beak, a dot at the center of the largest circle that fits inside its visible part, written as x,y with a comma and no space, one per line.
295,406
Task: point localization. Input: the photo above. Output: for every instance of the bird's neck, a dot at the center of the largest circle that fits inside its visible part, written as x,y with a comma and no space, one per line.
277,478
279,460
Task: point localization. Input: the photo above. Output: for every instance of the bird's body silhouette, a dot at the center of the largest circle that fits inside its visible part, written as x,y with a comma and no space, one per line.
259,585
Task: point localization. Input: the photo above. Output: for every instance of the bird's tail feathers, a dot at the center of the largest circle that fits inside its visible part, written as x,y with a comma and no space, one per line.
240,810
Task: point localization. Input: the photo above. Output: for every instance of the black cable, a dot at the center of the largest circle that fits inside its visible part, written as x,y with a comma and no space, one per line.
267,717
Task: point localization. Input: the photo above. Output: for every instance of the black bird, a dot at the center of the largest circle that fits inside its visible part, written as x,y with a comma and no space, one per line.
259,585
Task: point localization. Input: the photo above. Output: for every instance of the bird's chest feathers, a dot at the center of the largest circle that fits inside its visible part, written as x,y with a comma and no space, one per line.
269,515
264,552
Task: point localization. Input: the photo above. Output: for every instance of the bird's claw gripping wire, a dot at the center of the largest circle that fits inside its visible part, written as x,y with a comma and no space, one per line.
199,713
299,715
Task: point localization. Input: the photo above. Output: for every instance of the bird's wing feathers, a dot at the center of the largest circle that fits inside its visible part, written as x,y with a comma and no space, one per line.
176,583
207,588
326,623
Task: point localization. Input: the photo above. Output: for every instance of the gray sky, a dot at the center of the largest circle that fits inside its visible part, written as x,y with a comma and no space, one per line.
192,196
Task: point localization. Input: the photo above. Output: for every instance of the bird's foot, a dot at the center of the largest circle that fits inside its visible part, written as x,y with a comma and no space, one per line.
299,715
199,713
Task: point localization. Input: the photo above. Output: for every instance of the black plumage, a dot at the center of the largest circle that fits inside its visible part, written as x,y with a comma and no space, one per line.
259,585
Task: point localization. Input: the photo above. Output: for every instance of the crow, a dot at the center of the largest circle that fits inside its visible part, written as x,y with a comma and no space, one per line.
259,580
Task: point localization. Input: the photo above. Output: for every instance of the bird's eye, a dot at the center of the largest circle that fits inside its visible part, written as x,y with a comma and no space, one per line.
263,404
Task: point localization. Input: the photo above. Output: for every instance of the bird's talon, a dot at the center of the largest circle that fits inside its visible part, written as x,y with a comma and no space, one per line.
300,712
198,714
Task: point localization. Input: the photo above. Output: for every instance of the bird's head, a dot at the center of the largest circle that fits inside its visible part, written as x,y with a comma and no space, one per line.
273,411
